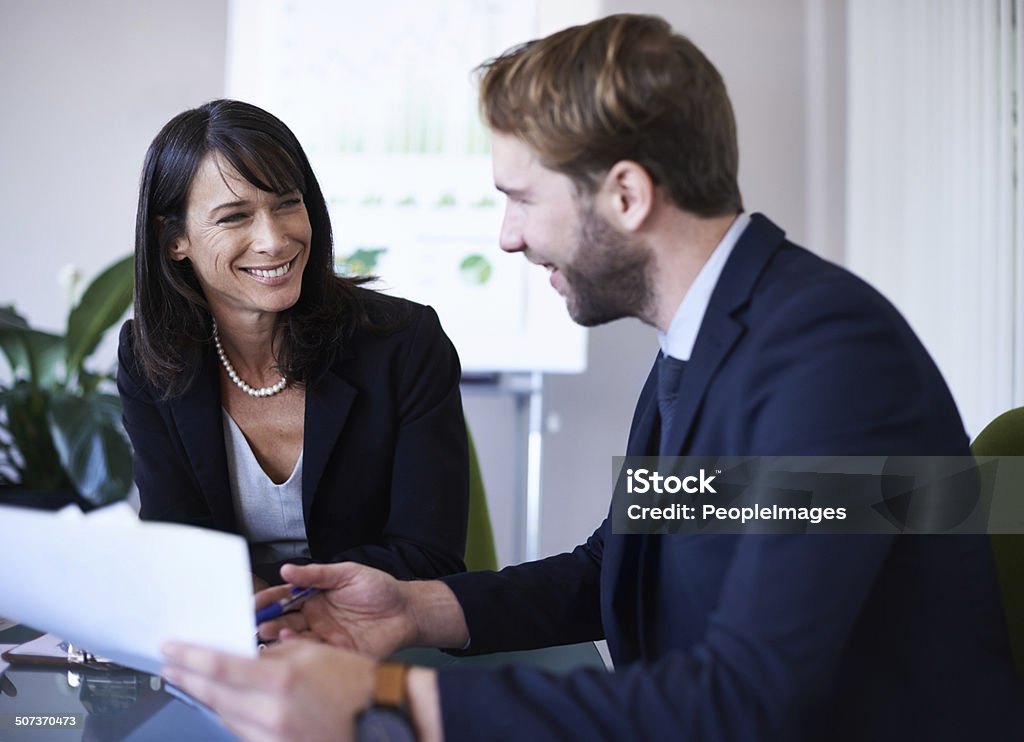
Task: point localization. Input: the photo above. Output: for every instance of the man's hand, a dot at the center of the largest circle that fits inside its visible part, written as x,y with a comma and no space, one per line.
366,610
296,690
359,608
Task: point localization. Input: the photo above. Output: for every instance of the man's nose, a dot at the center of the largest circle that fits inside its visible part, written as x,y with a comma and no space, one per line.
511,238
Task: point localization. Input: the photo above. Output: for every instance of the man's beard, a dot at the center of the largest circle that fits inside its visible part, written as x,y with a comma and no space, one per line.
610,277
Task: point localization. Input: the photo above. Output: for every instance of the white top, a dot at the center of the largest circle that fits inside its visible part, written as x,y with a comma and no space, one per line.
269,515
682,332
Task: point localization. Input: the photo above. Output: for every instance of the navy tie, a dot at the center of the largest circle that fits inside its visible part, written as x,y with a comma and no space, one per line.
670,373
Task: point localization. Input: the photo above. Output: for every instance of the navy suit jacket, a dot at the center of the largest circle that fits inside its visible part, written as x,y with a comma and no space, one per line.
790,637
385,475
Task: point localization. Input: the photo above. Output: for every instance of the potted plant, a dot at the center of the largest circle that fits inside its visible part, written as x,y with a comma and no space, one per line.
60,423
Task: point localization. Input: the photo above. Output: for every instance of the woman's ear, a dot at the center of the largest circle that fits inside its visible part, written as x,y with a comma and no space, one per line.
177,249
628,191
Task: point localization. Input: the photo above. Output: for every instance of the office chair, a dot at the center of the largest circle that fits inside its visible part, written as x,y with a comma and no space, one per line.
1004,436
480,552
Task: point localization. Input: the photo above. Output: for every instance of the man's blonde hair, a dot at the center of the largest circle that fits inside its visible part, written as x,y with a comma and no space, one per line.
625,87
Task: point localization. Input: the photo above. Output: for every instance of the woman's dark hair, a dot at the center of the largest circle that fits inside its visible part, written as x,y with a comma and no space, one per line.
173,327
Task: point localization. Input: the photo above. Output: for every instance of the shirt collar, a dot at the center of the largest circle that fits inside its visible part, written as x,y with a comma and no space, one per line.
682,332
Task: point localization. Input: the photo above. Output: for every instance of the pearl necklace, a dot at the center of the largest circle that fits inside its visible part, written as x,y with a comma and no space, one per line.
267,391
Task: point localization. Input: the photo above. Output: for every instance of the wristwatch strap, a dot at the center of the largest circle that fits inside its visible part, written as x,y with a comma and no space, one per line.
389,686
387,719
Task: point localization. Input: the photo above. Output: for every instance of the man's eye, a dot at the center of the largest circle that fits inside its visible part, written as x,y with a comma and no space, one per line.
231,218
291,202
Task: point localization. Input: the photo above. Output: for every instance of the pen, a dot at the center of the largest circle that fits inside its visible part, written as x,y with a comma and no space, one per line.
282,606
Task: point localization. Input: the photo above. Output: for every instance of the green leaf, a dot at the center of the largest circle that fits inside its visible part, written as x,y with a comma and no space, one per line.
92,449
89,382
10,342
27,425
9,317
105,301
31,354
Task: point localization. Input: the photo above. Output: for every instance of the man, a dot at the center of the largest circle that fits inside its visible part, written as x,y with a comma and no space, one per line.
616,146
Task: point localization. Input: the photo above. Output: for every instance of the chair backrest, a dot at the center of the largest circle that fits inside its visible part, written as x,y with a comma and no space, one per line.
480,551
1004,436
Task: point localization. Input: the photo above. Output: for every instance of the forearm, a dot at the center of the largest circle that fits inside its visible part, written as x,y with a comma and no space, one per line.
436,615
537,604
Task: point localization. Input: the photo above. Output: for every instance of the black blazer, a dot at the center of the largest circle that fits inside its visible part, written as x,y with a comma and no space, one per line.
762,637
385,464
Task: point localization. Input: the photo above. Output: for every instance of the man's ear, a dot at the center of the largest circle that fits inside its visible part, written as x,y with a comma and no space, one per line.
628,194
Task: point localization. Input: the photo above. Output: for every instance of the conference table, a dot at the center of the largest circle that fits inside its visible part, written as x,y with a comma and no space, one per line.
75,702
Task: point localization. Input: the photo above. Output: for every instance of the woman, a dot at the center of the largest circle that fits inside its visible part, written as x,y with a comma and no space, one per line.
263,394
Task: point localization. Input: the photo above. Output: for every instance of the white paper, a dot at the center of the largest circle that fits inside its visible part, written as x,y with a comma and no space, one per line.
47,645
119,587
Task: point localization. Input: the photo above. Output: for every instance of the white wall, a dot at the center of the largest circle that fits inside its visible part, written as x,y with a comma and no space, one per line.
85,87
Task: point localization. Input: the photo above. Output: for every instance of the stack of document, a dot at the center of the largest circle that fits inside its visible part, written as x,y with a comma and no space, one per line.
119,587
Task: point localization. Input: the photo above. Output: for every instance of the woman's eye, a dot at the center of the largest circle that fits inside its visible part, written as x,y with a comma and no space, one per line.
231,218
291,202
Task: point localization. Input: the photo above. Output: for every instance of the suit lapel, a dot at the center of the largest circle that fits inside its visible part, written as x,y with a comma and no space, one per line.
720,330
645,429
328,403
198,415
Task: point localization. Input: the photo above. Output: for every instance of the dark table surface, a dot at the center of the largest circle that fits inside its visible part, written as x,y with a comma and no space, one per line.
70,704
